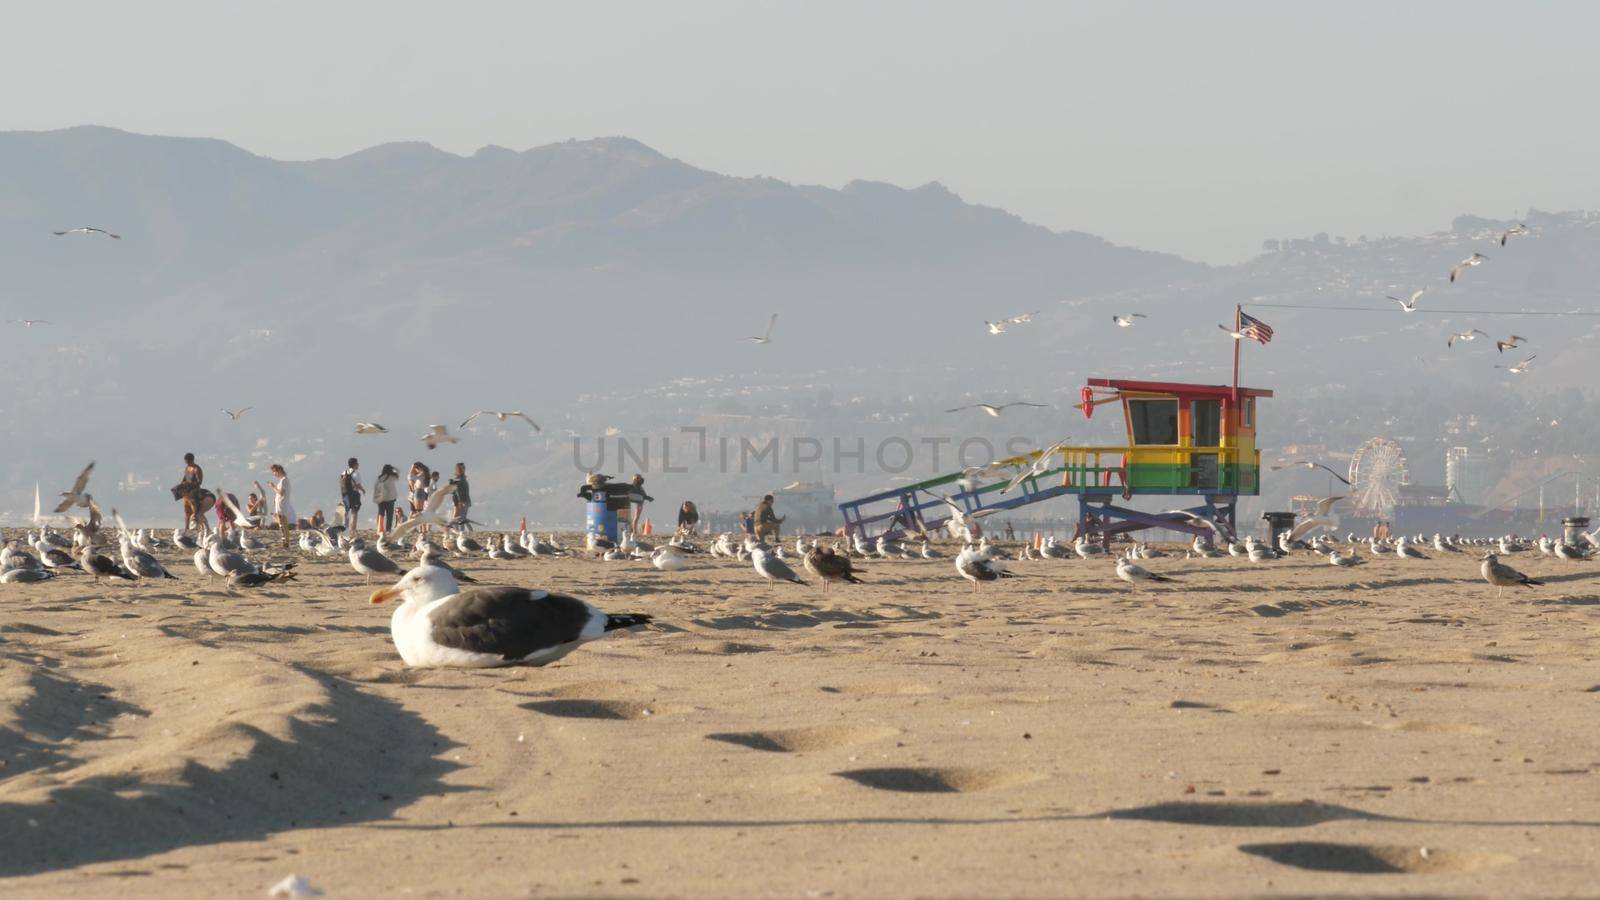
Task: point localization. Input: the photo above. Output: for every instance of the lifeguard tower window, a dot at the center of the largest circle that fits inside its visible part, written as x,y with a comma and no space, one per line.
1154,421
1247,412
1206,416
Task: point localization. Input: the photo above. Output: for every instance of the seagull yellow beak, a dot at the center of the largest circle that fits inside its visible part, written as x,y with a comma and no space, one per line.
388,593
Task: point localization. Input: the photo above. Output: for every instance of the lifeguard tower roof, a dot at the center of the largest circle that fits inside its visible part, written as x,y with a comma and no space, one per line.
1176,387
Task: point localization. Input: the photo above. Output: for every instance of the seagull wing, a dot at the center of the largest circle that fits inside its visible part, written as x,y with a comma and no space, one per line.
439,429
1308,526
771,324
239,518
526,418
83,479
1325,505
960,408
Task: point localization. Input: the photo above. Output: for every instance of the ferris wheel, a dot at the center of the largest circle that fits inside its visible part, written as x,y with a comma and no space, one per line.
1377,469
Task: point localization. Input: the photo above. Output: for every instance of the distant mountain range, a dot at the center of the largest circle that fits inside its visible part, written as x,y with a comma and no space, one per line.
411,286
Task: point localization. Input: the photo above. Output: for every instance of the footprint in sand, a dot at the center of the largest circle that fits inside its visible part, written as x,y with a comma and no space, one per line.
880,689
804,740
929,780
580,708
1373,859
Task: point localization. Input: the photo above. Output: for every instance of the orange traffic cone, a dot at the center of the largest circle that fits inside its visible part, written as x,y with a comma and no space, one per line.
648,530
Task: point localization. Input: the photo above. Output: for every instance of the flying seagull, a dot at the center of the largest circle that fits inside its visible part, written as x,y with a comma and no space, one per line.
1519,229
502,416
996,410
1520,367
1475,259
1001,326
1233,332
1040,465
1127,320
1464,336
371,428
439,434
766,338
88,229
234,414
28,323
430,512
1307,464
1410,305
1510,343
76,496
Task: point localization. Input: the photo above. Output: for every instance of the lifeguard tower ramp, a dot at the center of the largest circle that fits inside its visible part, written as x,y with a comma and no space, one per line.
1191,442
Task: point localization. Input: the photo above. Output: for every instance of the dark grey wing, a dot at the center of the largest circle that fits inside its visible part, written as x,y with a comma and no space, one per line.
377,562
509,622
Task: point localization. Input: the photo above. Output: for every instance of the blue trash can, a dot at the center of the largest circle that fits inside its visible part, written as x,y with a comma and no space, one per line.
607,509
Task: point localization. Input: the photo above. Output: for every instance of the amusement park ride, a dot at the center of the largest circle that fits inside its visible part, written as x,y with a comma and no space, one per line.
1192,441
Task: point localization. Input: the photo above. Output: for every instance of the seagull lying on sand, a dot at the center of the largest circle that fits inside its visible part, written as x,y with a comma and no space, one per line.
371,428
440,625
1520,367
1408,305
1475,259
1510,343
975,565
502,416
996,409
1127,320
439,434
1471,335
86,230
766,336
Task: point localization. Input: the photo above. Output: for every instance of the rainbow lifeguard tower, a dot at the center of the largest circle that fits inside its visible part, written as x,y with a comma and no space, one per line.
1196,442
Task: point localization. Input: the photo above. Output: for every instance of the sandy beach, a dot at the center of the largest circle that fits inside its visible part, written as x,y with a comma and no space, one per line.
1280,729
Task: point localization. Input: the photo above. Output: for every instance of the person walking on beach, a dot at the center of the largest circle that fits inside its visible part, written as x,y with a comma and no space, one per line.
350,491
638,498
385,490
196,499
282,509
462,496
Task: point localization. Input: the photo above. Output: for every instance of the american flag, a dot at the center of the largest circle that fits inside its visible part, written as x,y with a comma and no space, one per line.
1254,329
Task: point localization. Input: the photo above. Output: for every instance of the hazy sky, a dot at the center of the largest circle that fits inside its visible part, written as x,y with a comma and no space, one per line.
1199,128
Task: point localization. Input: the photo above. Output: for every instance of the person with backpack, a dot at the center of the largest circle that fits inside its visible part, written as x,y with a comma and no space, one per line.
350,491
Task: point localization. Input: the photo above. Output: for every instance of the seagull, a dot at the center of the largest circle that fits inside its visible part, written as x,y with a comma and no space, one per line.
669,558
1234,333
28,323
1518,229
1001,326
502,416
1308,464
439,434
1475,259
430,512
1503,576
766,338
369,562
1133,573
1040,464
1127,320
88,229
975,566
1510,343
371,428
1520,367
1410,305
994,409
829,567
439,625
771,567
76,496
1471,335
234,414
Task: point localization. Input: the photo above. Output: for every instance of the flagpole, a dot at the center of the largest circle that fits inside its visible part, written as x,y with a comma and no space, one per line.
1238,326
